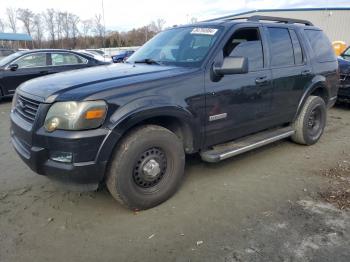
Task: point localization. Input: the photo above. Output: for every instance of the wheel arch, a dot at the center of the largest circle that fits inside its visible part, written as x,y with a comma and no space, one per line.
317,87
175,118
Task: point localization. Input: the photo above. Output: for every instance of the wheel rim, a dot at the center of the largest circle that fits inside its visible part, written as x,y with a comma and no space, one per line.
314,122
150,168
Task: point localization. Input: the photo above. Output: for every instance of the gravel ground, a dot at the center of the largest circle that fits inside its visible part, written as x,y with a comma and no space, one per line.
272,204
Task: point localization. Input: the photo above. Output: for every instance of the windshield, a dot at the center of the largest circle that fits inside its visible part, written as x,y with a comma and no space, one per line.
10,58
179,46
346,52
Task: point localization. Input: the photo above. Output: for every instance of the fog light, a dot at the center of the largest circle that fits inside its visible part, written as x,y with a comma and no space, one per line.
63,157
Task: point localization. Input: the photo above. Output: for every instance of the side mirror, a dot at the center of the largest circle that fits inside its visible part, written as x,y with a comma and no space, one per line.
232,65
13,67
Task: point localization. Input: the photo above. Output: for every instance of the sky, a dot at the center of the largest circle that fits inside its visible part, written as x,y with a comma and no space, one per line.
125,15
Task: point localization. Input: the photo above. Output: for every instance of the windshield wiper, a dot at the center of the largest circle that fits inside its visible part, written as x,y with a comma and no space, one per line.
148,61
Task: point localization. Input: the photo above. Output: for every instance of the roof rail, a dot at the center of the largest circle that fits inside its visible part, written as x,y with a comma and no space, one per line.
257,18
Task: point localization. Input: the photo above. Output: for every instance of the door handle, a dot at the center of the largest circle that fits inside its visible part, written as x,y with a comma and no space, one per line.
261,80
306,72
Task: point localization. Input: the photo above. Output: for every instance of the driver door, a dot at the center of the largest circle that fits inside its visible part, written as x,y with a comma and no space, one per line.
239,104
29,66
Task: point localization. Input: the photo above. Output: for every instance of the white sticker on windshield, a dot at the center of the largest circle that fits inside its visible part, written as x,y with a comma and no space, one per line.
204,31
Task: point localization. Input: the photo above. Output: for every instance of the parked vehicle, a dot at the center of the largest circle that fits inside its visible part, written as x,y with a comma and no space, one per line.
96,56
122,56
24,65
344,70
98,52
5,52
218,88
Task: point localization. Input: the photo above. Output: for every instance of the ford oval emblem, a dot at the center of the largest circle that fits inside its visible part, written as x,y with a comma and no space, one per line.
21,104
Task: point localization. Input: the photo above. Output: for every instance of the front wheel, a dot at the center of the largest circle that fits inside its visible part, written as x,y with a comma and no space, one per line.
147,167
310,124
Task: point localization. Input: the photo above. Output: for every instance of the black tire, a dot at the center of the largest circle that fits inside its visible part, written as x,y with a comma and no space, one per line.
127,180
310,124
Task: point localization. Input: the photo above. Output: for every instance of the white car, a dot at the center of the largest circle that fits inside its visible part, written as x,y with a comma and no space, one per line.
96,55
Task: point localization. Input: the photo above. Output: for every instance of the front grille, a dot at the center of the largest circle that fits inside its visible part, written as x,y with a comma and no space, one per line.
343,77
27,108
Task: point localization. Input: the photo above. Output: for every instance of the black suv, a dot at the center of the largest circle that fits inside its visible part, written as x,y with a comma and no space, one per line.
219,88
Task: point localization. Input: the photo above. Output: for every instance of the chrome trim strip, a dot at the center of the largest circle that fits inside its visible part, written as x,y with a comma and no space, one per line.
217,117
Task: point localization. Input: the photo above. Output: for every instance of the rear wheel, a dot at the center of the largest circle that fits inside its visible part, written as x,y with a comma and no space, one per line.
147,167
311,121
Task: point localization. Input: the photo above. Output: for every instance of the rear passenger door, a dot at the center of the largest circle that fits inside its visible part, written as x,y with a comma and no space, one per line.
290,72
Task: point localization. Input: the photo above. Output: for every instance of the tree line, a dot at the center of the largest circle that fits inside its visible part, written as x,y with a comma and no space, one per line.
57,29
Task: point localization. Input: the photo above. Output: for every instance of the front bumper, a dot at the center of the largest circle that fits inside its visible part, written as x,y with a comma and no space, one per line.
344,91
35,146
344,87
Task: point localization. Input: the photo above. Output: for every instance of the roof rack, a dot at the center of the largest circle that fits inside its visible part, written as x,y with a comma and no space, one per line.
258,18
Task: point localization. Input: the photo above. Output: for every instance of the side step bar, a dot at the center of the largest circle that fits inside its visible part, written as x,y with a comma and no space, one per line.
234,148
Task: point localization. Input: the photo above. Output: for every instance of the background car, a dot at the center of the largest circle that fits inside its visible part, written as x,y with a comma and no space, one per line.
98,52
6,52
96,55
344,70
24,65
122,56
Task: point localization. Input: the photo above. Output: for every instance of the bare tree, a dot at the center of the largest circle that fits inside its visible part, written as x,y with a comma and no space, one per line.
65,26
99,29
160,24
26,16
53,28
2,26
38,29
86,30
74,23
50,24
59,26
12,19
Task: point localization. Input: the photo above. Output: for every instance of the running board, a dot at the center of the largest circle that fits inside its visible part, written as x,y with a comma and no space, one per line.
234,148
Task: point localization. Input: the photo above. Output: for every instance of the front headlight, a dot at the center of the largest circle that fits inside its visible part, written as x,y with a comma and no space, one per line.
75,115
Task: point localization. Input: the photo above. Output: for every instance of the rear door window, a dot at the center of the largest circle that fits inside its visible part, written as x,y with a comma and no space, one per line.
321,45
281,47
61,59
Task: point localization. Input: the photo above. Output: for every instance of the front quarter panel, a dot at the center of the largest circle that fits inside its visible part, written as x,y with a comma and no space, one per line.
178,97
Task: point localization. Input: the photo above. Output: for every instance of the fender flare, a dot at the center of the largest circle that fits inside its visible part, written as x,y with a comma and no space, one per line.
133,113
318,82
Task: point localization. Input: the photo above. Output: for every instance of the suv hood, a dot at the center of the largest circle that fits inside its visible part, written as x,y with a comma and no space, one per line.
98,79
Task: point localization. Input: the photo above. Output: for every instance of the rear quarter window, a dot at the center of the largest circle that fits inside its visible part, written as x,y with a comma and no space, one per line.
320,45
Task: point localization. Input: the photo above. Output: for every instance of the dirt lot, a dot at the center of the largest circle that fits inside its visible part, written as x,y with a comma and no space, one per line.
266,205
